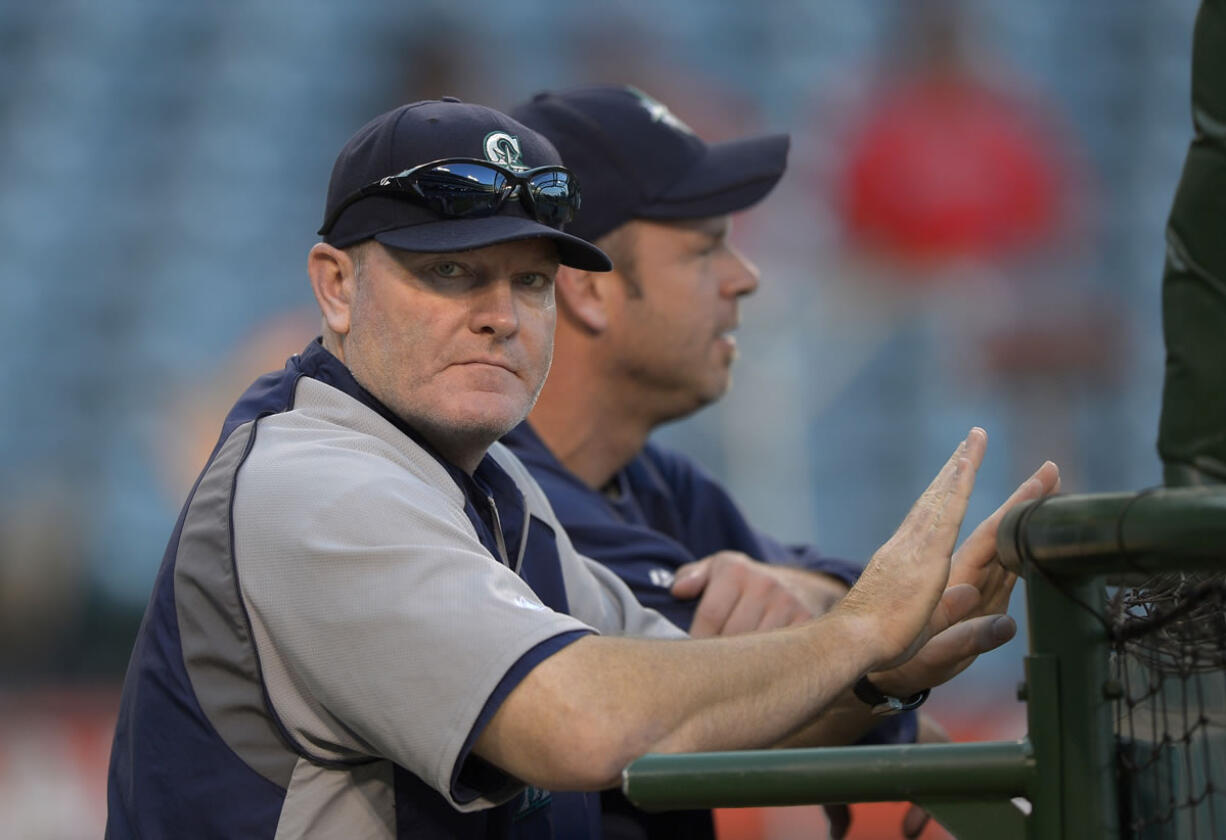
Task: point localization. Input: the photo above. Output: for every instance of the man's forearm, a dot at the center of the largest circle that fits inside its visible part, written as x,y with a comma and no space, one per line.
844,721
617,699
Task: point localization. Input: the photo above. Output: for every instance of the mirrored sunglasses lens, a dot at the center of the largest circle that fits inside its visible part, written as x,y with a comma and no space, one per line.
461,189
554,197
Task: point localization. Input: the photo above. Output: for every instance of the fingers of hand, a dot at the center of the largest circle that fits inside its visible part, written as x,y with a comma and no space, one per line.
1044,480
713,611
947,654
745,616
723,582
997,589
957,602
743,595
937,515
979,549
691,579
903,583
931,526
968,638
984,571
961,465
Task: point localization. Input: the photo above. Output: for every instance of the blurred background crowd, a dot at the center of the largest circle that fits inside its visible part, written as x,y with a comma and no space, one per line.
970,231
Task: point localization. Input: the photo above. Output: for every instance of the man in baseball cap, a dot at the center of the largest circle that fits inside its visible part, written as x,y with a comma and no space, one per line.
369,622
650,343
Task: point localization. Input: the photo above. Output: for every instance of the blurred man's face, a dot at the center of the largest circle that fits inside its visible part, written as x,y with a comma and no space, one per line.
457,344
682,289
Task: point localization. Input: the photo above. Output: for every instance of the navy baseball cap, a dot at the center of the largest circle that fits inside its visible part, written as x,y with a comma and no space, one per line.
637,160
423,132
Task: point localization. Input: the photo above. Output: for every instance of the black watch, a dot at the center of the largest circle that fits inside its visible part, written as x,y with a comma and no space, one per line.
884,704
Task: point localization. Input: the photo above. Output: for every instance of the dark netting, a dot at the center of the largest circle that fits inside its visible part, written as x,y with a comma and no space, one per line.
1169,666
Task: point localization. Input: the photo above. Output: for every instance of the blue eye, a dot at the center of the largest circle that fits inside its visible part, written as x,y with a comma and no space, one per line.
447,269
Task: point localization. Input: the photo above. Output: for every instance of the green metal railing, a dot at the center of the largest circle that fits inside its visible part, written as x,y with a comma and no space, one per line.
1065,548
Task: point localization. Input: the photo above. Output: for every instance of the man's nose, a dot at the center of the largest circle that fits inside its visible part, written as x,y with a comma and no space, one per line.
742,276
494,309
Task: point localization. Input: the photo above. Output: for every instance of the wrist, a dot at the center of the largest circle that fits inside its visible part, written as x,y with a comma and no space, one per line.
868,641
843,633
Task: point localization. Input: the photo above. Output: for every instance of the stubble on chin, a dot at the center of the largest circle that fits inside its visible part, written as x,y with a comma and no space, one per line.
464,442
460,431
464,432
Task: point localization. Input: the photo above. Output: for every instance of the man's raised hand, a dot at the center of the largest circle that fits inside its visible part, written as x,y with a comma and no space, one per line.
900,590
975,562
981,626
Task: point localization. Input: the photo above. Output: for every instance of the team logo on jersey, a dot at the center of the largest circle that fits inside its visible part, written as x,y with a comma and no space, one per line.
503,149
659,112
532,799
662,578
521,601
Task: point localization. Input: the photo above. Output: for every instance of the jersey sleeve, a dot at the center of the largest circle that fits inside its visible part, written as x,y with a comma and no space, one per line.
384,628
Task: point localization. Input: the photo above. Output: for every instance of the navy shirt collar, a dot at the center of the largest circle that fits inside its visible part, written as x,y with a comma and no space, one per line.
526,443
523,438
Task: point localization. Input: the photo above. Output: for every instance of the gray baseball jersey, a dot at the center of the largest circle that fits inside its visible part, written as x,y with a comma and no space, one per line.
346,626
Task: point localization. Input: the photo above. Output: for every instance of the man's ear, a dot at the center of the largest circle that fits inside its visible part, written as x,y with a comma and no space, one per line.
584,297
332,280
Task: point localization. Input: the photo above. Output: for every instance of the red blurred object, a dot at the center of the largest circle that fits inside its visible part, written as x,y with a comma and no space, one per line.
946,168
54,747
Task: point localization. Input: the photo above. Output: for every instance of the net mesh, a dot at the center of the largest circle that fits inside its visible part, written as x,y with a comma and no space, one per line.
1169,665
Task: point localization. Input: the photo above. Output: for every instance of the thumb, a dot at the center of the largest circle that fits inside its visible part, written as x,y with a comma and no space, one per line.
958,646
956,603
692,579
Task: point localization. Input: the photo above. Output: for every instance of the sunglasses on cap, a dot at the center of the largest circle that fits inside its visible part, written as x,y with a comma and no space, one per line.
465,187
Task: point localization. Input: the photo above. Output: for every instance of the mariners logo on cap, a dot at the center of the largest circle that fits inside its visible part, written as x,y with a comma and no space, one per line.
503,149
659,112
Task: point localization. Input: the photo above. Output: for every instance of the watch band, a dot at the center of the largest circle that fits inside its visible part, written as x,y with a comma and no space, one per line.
884,704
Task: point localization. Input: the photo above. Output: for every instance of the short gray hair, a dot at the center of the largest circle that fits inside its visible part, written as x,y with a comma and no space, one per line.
357,255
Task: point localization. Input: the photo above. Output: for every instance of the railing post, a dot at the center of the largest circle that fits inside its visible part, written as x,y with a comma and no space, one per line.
1070,715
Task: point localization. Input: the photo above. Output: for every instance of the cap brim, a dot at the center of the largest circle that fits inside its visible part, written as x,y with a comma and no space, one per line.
466,234
731,176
